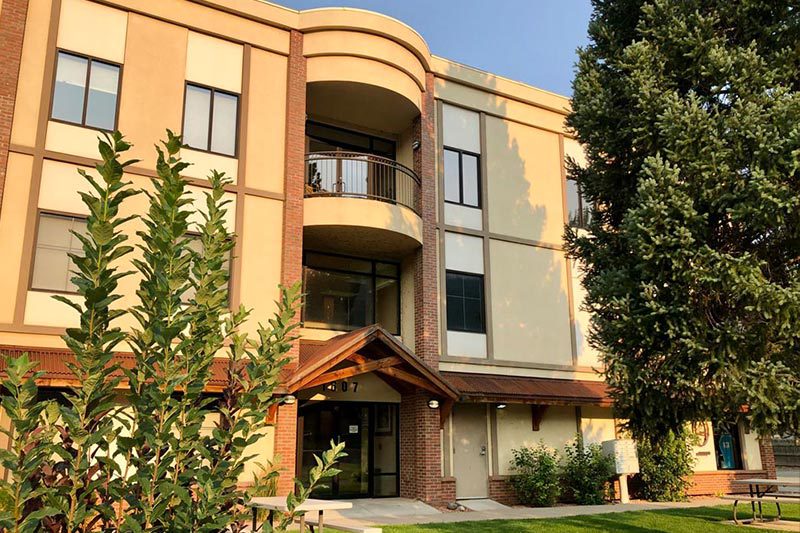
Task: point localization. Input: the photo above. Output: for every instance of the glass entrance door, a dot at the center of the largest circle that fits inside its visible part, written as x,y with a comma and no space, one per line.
369,432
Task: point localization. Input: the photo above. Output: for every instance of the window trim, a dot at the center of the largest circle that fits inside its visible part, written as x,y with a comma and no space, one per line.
461,153
53,213
483,301
213,90
373,275
91,59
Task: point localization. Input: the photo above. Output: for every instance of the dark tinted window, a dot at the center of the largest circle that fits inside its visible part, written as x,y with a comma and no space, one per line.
465,306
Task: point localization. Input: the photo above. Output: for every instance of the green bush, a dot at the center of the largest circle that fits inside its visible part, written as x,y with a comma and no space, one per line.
586,474
536,479
664,467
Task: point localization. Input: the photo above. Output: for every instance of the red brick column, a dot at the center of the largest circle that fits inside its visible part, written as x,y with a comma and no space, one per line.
420,442
291,262
12,30
767,457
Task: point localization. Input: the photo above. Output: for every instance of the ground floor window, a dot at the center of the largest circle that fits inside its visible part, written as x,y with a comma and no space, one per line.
346,293
370,432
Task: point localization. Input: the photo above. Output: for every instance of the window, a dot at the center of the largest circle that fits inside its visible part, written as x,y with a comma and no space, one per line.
462,177
196,244
210,118
85,91
346,293
728,446
579,213
465,308
54,242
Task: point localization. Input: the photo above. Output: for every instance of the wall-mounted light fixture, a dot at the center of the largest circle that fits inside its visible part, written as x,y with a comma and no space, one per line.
415,145
501,406
289,399
433,404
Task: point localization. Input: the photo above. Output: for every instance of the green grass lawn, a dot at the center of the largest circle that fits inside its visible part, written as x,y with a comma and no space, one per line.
698,520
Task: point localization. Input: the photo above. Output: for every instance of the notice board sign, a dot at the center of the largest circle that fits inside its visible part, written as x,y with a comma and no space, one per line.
623,451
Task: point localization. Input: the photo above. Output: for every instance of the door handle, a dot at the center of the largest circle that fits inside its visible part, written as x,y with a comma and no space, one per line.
483,450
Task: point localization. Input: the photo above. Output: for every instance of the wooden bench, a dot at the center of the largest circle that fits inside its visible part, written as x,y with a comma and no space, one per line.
341,525
766,498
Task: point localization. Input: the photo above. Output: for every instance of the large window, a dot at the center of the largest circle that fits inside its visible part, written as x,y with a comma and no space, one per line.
85,91
579,212
52,265
210,117
465,306
462,177
346,293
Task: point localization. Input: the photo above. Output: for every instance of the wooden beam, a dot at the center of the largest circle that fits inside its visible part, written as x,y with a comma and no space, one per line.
537,413
350,371
445,408
402,375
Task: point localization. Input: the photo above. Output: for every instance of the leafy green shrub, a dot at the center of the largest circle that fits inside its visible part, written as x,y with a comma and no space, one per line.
586,474
536,478
664,466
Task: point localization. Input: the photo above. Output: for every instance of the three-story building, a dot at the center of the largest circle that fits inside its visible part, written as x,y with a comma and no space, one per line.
421,203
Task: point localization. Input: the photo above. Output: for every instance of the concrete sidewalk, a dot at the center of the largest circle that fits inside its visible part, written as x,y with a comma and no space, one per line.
400,511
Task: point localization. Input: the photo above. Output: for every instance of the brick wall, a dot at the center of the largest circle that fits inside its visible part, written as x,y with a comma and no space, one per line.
719,482
291,261
420,442
767,453
12,30
500,490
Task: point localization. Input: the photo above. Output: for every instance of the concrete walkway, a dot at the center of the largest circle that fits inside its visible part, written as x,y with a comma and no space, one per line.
401,511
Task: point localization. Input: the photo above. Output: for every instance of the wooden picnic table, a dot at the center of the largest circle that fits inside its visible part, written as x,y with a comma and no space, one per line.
278,503
766,490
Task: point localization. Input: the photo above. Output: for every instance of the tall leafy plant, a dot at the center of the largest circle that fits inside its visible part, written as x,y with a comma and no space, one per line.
147,464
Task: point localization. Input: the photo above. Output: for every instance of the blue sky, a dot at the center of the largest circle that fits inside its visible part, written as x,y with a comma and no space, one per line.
532,41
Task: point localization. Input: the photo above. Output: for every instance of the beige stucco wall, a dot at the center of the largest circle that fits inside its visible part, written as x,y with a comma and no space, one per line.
530,311
266,122
151,99
597,424
202,163
587,356
705,454
12,220
751,454
214,62
105,39
31,74
363,213
261,236
557,428
524,180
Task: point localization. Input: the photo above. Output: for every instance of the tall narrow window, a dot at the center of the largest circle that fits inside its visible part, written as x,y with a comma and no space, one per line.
210,117
462,177
85,91
465,305
52,265
579,213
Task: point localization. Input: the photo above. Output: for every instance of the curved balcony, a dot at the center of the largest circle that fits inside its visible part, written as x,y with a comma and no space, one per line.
357,203
357,175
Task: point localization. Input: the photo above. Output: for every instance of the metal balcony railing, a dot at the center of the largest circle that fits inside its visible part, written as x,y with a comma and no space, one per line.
357,175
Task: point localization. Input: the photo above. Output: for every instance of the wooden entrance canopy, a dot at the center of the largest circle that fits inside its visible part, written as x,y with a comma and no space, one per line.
369,349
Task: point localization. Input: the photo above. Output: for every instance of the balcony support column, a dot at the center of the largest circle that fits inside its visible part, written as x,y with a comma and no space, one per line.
291,260
421,452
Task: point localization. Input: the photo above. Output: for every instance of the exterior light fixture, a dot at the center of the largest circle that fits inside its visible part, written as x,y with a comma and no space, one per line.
289,399
501,406
433,404
415,145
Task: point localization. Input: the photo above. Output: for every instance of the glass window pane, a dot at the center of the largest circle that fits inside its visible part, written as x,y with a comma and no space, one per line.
586,210
573,204
387,311
196,117
455,285
223,132
473,286
470,180
101,108
473,315
52,265
387,269
337,262
452,192
336,300
69,88
455,313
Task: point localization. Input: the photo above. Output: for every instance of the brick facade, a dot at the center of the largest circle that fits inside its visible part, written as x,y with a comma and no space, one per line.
420,440
12,30
292,258
500,490
767,457
720,482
